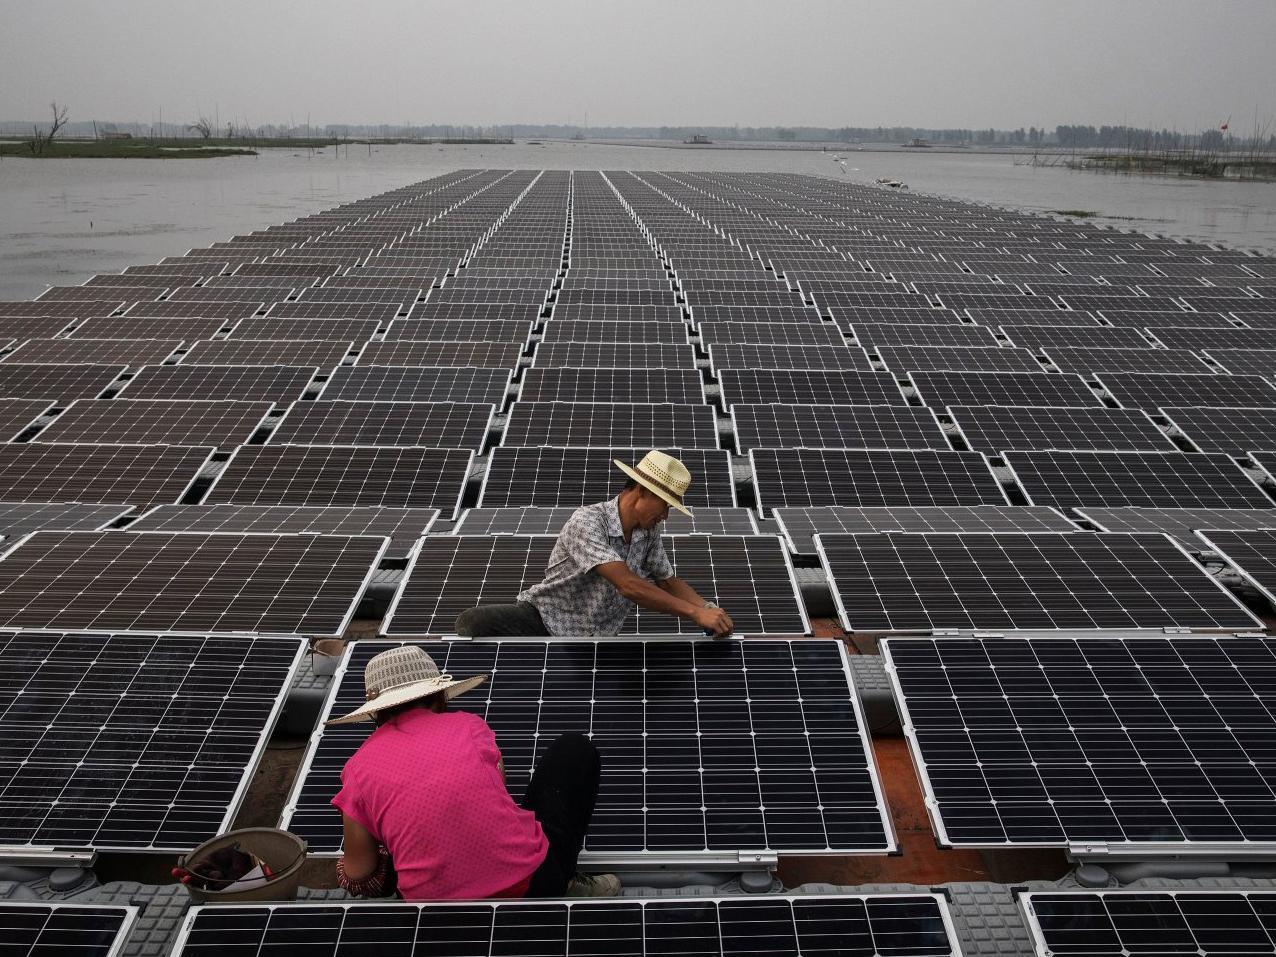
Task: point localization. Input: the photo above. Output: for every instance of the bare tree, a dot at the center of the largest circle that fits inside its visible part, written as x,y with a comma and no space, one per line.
39,140
203,126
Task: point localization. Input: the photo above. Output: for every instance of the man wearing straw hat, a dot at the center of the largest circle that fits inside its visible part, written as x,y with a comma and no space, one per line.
424,805
608,558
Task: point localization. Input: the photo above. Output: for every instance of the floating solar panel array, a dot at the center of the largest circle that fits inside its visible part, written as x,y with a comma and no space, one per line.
971,419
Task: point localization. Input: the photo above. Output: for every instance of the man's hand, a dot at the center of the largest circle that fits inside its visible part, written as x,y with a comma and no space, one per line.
715,621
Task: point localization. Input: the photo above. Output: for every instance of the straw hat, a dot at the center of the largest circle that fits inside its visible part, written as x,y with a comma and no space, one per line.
401,675
662,474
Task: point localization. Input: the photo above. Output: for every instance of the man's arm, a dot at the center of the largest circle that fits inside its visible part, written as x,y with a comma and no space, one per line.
673,599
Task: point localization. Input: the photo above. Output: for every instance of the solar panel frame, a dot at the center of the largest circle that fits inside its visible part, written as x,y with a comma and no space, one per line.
822,335
218,422
942,389
618,331
321,353
58,382
800,525
613,355
758,356
628,385
70,472
1152,390
64,923
872,334
989,428
444,384
416,352
134,596
611,424
458,425
836,426
18,415
540,520
1160,679
906,359
1093,361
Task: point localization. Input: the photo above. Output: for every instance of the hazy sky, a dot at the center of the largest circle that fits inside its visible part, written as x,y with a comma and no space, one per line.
940,63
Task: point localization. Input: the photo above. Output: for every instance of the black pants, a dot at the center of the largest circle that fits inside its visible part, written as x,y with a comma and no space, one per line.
520,620
562,793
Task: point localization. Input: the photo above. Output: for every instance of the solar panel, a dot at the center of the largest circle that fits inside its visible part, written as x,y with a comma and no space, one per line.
682,386
896,925
473,312
132,743
615,355
602,331
780,333
994,429
1151,479
754,356
1153,391
343,475
121,351
702,308
490,355
1216,338
19,518
451,573
57,382
403,526
566,312
1149,921
938,389
16,328
1252,551
186,309
246,383
139,327
321,353
378,312
157,422
187,582
579,476
796,386
1048,316
1152,745
1230,431
531,520
417,384
836,426
127,474
454,425
1153,321
873,334
273,327
472,330
32,928
17,415
1246,361
972,359
1090,361
1179,523
894,316
803,477
1092,337
799,526
653,425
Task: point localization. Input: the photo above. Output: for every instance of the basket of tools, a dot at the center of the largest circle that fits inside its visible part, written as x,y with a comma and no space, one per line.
249,864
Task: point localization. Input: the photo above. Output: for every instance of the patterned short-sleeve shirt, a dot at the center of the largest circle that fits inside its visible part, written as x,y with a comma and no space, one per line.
574,600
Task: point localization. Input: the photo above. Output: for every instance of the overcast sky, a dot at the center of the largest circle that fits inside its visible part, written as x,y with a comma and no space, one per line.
1184,64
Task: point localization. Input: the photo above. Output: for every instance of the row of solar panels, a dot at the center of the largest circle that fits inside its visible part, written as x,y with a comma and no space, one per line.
1091,923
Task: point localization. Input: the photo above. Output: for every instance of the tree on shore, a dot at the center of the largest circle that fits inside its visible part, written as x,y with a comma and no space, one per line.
203,126
39,141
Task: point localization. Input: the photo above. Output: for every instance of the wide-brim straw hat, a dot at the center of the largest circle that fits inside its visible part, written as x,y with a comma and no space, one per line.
401,675
662,474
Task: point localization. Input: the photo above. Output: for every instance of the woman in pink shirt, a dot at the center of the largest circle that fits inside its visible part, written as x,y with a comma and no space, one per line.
425,808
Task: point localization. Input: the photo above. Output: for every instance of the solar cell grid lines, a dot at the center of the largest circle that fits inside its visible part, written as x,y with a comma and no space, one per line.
919,334
755,357
246,383
581,476
53,310
1151,391
334,475
273,327
943,388
189,310
127,474
799,526
995,429
403,526
1048,316
17,415
1169,758
532,520
607,331
1102,923
902,926
958,359
1087,361
786,333
186,582
491,355
682,386
714,311
439,424
900,582
133,742
417,384
476,330
379,312
57,381
1092,337
749,575
1153,479
32,928
17,328
877,477
157,421
654,425
80,350
774,425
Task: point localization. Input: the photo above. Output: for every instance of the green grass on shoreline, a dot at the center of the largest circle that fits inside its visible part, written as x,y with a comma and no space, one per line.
121,149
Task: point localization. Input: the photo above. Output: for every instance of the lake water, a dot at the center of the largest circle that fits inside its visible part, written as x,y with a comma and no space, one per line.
61,221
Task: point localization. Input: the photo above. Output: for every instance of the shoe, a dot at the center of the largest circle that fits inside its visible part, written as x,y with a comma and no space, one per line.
594,885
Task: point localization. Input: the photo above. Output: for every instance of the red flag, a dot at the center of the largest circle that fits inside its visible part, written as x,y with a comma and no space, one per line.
1223,127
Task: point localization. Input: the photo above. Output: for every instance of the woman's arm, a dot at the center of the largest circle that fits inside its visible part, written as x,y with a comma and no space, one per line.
364,868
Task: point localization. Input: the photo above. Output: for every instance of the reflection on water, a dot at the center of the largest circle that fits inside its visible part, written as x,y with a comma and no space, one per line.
64,220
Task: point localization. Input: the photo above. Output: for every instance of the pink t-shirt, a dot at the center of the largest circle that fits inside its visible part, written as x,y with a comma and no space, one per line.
428,788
